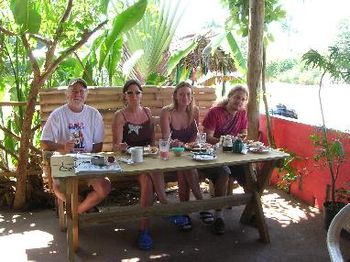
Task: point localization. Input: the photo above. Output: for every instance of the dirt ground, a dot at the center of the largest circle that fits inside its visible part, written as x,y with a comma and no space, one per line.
296,233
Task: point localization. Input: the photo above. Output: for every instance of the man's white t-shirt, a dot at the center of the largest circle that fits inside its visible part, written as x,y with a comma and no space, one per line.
85,127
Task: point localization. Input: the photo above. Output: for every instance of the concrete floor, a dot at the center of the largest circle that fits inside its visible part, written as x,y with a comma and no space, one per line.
296,233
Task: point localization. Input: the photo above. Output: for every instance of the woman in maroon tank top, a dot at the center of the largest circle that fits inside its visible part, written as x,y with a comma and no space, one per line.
133,126
179,120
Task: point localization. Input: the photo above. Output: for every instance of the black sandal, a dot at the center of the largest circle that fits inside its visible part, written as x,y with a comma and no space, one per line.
206,217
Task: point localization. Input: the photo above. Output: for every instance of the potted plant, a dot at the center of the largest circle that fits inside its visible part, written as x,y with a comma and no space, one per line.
330,152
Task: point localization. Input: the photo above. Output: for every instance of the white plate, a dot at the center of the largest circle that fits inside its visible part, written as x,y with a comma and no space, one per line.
260,150
203,157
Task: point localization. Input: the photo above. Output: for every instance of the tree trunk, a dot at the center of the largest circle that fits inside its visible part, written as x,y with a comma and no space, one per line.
20,196
270,137
256,26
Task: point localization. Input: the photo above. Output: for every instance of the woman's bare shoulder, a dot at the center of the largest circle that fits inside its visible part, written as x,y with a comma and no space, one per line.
196,109
119,115
165,111
148,110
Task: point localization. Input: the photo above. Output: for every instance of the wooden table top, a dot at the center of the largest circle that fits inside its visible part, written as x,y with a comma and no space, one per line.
155,164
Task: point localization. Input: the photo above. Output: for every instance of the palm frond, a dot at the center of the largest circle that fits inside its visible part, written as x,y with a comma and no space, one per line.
154,34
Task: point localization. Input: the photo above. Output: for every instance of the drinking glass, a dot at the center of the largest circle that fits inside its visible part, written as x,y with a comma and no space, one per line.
164,145
201,139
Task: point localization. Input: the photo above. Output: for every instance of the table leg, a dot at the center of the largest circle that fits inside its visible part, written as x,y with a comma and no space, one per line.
254,207
248,188
61,214
72,216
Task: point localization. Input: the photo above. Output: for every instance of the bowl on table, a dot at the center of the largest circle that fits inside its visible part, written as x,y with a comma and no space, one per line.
178,150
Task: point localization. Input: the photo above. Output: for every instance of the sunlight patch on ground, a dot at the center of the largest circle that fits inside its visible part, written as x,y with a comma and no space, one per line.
285,211
119,229
135,259
158,256
14,246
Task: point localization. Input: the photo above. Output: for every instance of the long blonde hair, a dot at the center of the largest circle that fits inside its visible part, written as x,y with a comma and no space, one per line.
174,105
234,90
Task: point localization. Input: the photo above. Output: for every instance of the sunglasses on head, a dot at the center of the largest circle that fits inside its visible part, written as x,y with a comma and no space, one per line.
129,93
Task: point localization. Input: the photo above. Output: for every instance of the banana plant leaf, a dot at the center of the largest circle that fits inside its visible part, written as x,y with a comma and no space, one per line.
91,60
26,14
178,55
236,53
131,62
122,23
114,58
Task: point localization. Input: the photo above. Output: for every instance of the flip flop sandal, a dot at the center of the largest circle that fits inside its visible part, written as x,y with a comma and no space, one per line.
145,241
206,217
186,227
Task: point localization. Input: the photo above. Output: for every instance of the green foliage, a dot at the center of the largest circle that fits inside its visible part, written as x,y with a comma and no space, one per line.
122,23
155,78
68,69
179,54
288,172
330,152
114,57
331,149
336,63
26,14
290,70
104,6
277,67
240,61
343,36
152,37
38,21
240,15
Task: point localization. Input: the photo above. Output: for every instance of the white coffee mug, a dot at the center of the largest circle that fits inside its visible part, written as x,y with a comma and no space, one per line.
137,154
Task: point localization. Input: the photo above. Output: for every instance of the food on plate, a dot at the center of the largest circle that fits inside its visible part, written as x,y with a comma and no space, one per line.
259,149
252,143
196,147
150,150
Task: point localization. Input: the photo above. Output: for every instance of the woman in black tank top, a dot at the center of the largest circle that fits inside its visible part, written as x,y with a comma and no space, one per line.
133,126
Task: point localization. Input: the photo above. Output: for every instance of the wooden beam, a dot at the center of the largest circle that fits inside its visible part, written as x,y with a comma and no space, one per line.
14,173
135,212
13,103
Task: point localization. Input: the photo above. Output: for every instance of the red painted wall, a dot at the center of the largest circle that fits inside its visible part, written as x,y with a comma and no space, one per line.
294,136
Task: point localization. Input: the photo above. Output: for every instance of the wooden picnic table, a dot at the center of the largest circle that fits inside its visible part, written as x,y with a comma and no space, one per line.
251,198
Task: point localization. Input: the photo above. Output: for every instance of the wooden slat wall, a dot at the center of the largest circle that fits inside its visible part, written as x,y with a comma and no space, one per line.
109,99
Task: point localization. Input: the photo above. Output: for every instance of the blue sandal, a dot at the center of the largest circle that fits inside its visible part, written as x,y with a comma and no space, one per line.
145,241
178,220
186,227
